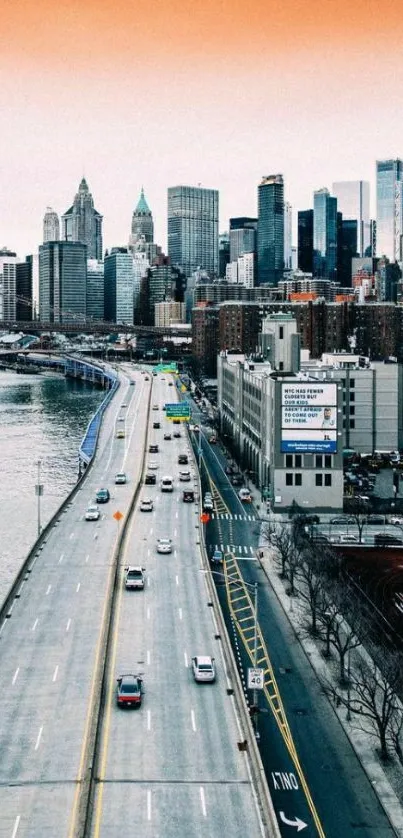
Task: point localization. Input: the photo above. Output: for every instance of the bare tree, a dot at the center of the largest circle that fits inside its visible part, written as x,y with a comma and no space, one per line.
373,698
340,619
358,509
281,539
310,583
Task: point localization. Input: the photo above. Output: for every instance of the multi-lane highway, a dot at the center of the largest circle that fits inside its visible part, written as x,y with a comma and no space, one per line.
172,767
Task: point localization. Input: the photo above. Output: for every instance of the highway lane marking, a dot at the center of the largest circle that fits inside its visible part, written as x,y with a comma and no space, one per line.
68,624
55,673
148,613
175,533
78,587
176,514
38,738
148,657
192,716
148,805
175,553
203,801
186,659
148,719
34,625
87,557
151,531
16,825
148,552
177,580
180,613
2,625
48,590
71,535
61,558
15,676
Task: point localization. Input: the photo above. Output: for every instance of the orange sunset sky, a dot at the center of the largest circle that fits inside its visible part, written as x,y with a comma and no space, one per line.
217,93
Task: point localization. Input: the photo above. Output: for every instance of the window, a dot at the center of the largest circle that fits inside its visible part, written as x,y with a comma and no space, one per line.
352,383
318,480
298,479
298,461
352,410
288,479
352,397
328,461
328,479
281,365
288,460
352,424
318,461
281,332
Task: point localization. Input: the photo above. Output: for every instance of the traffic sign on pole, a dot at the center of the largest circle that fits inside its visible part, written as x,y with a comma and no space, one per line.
255,678
178,410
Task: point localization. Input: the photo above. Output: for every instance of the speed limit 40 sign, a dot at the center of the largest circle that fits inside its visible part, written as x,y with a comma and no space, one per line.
255,679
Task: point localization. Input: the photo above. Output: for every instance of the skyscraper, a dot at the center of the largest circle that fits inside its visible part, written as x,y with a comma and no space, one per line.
242,237
25,289
305,241
142,222
82,223
119,279
287,236
270,230
389,174
193,229
95,290
51,226
347,249
324,235
353,202
223,253
8,284
62,282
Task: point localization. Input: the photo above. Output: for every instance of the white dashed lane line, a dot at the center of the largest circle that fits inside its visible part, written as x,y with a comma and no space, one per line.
193,720
48,590
34,625
55,673
38,739
16,825
68,624
15,676
203,801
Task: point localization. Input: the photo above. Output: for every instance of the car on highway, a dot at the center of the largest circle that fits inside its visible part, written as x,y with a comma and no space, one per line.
167,436
102,496
134,579
217,557
203,669
156,426
120,435
153,448
120,477
170,384
183,459
245,495
129,690
188,496
131,383
153,465
196,428
92,513
167,484
155,407
236,479
212,439
121,418
146,505
177,434
123,404
146,378
185,476
208,505
150,479
164,545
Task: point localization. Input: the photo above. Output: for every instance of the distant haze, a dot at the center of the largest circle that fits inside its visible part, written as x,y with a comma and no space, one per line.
161,93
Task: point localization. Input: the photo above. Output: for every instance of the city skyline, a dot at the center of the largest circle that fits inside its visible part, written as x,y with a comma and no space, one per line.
102,97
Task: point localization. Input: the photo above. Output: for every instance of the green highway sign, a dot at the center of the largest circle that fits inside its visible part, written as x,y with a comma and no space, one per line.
168,367
178,410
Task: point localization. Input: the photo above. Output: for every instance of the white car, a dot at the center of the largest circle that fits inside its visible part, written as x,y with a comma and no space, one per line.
184,476
134,579
245,496
396,520
152,465
164,545
350,539
92,513
203,669
123,404
120,477
146,505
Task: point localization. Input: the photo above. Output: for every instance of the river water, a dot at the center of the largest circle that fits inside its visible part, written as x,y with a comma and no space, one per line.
42,417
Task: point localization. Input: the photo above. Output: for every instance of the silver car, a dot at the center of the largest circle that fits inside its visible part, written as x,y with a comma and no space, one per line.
92,513
203,669
164,545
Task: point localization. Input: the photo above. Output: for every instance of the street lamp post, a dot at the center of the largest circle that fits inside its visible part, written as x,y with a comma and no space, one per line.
39,493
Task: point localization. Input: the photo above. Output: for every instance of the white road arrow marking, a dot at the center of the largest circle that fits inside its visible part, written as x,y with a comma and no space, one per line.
300,825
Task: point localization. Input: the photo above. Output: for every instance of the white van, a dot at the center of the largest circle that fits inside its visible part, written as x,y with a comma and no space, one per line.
167,484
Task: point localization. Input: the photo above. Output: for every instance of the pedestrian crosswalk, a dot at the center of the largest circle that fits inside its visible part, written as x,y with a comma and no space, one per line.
226,516
237,549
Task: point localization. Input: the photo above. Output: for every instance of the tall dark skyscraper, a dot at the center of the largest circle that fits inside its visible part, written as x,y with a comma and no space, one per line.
353,202
324,235
270,230
82,223
24,289
223,254
142,222
193,229
347,249
62,282
305,241
242,237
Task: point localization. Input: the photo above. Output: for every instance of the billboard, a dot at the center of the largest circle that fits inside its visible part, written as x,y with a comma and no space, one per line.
309,418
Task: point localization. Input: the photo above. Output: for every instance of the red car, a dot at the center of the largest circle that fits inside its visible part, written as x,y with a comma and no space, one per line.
129,692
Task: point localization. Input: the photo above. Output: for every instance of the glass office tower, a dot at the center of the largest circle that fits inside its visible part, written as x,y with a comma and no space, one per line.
193,229
389,174
353,202
270,230
324,235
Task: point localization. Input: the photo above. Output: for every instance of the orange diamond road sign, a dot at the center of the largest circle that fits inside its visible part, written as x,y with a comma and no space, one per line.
117,515
204,518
